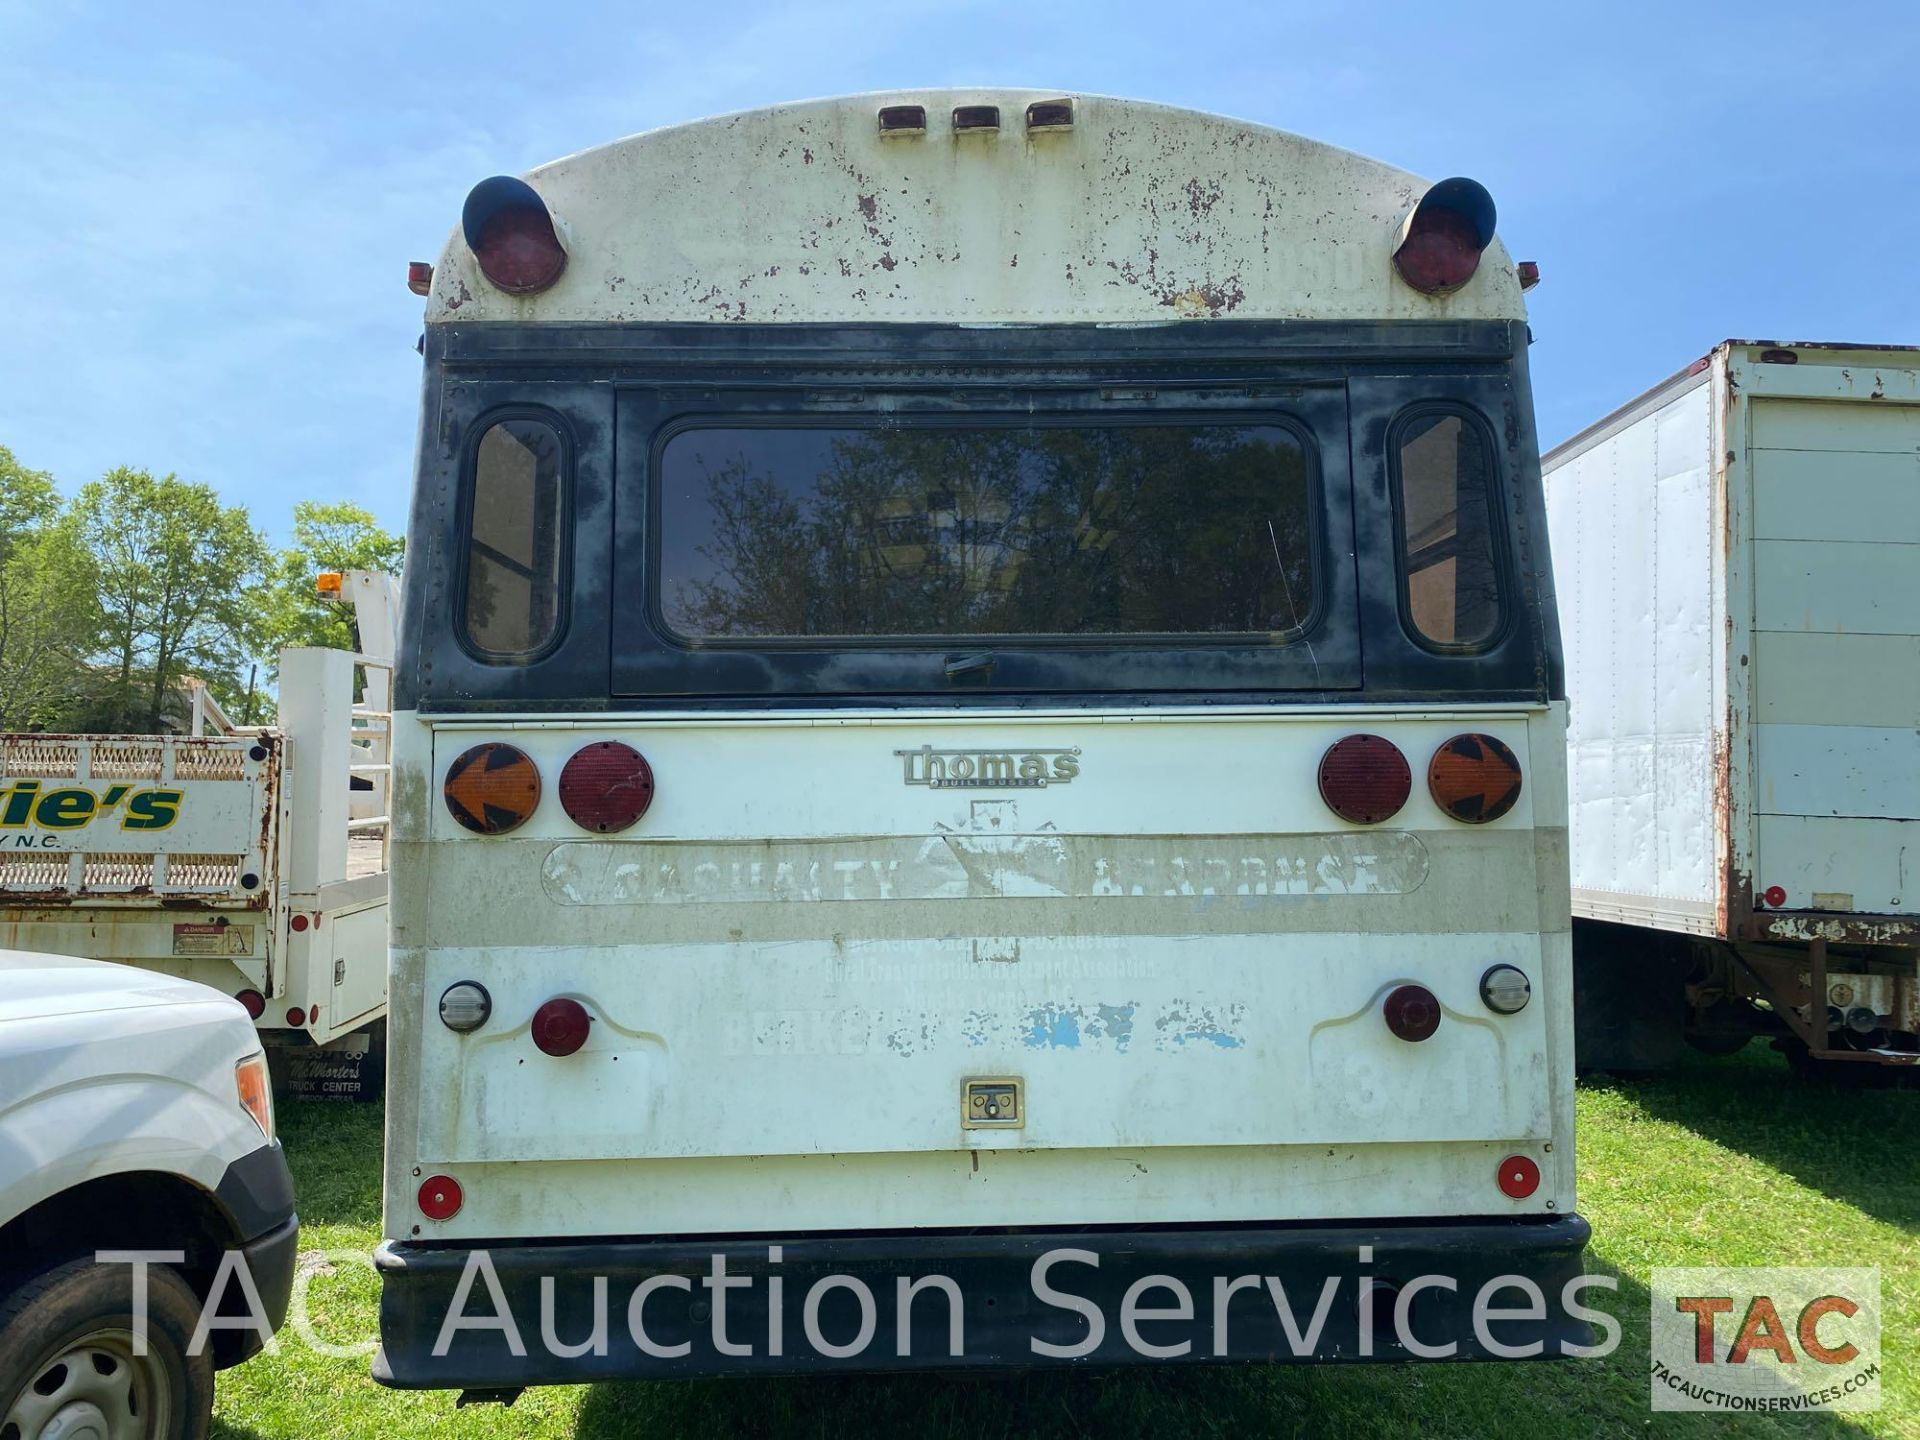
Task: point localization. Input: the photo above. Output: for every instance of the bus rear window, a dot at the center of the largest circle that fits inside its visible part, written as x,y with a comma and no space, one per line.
513,545
944,530
1445,478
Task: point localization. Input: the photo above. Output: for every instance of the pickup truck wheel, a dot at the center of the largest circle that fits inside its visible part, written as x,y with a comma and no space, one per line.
67,1365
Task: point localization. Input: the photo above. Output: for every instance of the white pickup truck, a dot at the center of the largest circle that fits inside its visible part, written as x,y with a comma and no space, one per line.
136,1120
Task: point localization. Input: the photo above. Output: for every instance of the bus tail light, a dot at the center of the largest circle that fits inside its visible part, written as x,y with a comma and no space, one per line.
1412,1012
1519,1177
1443,235
1365,779
560,1026
441,1197
512,235
606,786
1474,778
491,789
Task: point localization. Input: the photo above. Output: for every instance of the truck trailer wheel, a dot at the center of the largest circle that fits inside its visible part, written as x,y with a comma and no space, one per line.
67,1361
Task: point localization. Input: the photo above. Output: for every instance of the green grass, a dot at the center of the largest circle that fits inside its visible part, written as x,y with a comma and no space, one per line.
1723,1162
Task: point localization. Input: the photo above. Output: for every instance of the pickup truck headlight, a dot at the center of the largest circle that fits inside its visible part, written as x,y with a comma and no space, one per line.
255,1090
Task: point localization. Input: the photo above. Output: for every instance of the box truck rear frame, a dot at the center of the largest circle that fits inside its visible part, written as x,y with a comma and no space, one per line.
1742,740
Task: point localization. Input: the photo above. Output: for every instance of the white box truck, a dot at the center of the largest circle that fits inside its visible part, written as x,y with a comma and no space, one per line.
251,859
1738,558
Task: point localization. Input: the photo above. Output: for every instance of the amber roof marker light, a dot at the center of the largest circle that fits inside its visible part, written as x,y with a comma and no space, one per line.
1474,778
492,788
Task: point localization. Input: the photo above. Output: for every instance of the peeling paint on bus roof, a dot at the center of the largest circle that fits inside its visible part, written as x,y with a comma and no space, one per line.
807,213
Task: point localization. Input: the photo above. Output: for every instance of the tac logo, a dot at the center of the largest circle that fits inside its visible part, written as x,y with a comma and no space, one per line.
29,803
1766,1339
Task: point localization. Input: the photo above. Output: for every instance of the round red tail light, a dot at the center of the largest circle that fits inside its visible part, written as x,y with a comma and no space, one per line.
440,1197
296,1017
1519,1177
1365,779
1474,778
1775,896
512,235
560,1026
492,788
297,924
1440,243
1412,1012
606,786
253,1002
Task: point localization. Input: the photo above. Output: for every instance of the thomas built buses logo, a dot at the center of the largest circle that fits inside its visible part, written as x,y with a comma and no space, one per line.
1766,1339
988,769
57,810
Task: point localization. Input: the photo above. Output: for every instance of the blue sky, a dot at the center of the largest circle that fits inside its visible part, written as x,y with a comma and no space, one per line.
208,210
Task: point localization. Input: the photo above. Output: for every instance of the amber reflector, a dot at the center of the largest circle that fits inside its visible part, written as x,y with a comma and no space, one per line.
492,788
1412,1012
606,786
1474,778
1365,779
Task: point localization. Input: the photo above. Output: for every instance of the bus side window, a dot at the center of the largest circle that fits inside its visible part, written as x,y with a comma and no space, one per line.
513,595
1443,471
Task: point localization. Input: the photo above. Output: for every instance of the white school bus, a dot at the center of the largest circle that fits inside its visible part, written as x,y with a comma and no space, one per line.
978,763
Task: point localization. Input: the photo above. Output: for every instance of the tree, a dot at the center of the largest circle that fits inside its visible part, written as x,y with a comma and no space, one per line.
178,577
48,618
325,537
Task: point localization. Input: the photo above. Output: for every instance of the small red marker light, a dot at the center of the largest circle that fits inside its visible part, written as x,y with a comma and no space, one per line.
1519,1177
1529,272
1412,1012
253,1002
296,1017
297,924
419,277
440,1197
1775,897
560,1026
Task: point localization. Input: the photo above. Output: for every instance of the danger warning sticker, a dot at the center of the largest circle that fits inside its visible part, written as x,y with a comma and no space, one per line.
194,939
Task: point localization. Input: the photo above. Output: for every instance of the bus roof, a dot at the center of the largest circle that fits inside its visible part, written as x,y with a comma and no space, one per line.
1133,213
